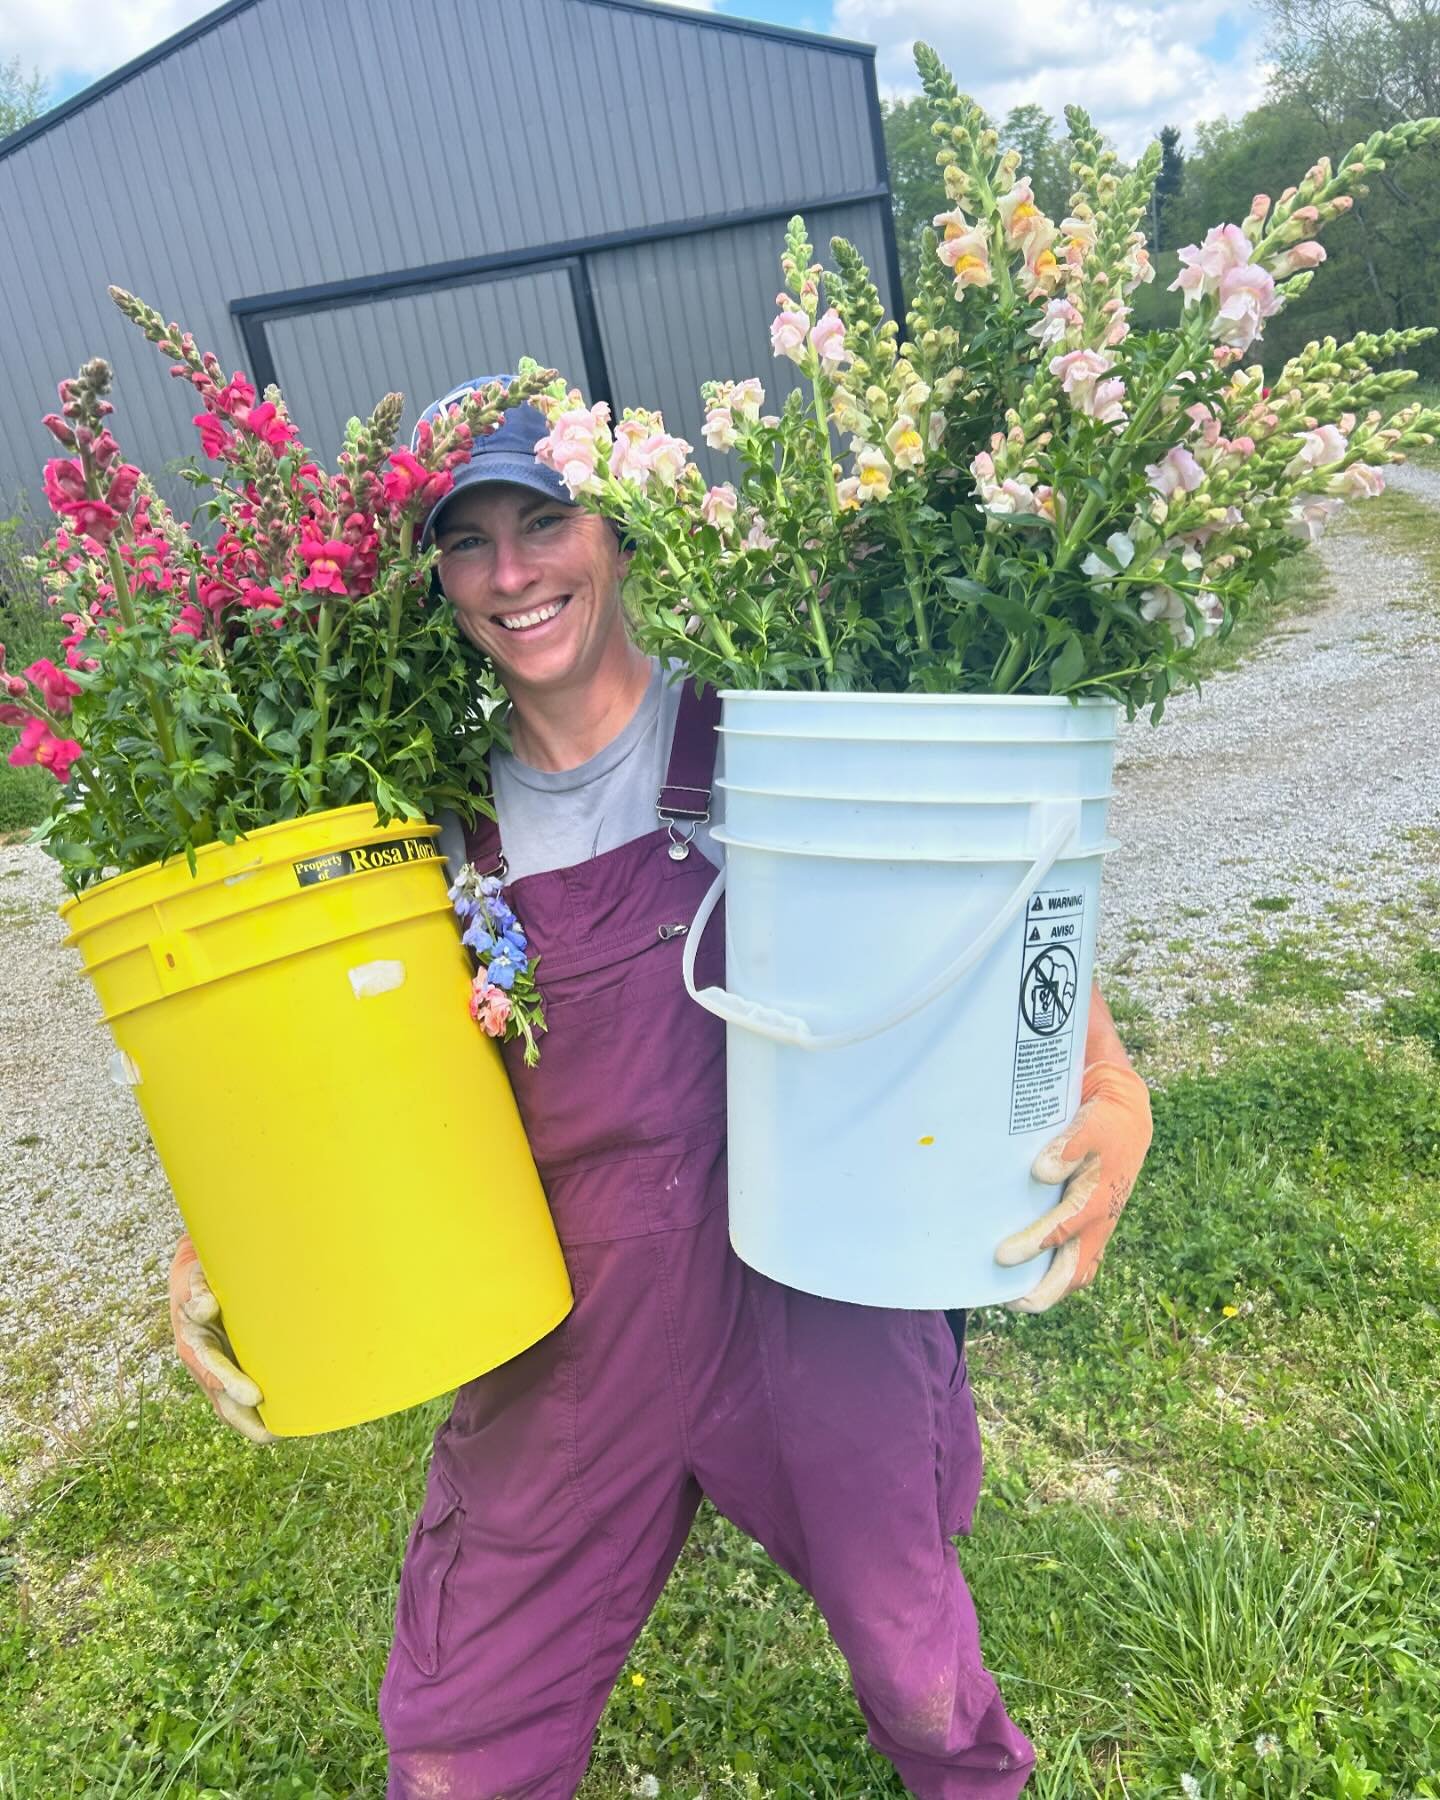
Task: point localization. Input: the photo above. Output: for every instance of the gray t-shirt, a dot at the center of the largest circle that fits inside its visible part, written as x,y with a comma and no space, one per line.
553,819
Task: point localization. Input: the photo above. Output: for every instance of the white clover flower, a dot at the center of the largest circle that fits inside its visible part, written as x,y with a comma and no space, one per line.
1190,1787
1267,1746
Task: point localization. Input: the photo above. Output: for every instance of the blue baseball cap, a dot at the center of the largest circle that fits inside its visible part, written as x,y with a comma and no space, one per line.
508,454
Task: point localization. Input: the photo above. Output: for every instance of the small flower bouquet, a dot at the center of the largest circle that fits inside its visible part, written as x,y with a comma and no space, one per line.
504,1000
1037,498
286,661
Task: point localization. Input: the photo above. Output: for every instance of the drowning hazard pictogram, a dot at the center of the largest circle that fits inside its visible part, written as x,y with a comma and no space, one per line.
1049,1002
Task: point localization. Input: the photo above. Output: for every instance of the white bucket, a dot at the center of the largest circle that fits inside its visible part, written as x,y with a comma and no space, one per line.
912,891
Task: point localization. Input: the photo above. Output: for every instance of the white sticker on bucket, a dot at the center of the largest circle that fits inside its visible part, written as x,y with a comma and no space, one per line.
1049,994
124,1070
369,979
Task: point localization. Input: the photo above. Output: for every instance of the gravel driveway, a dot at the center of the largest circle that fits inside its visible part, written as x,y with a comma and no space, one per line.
1299,773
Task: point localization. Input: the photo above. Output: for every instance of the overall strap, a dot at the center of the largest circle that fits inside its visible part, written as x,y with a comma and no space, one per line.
482,846
691,774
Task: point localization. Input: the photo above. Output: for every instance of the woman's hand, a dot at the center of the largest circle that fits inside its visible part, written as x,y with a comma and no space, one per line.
203,1347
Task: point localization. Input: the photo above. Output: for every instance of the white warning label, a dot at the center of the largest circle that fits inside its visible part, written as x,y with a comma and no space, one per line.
1045,1023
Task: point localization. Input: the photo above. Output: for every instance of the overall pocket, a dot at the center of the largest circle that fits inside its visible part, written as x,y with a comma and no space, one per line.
430,1557
961,1460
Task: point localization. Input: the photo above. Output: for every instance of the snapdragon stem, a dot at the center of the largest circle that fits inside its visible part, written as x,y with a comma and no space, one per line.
716,625
392,627
912,584
1004,676
817,620
125,600
318,737
822,423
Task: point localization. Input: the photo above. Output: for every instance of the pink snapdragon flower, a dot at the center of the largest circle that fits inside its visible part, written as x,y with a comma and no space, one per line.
788,330
903,441
572,448
1105,402
1307,255
64,482
92,519
643,451
215,437
123,483
39,745
1318,449
1059,317
964,249
327,560
268,424
1309,516
56,688
1023,220
1226,247
404,480
757,537
872,470
827,339
1136,268
1003,498
1359,482
1079,369
719,506
746,398
719,429
1247,299
1177,472
189,622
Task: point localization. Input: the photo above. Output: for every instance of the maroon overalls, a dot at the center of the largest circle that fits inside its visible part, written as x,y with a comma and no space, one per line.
563,1485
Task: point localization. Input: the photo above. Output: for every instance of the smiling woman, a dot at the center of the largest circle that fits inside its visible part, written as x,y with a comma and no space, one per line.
534,581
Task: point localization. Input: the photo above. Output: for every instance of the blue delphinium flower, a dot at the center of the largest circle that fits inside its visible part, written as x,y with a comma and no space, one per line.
479,937
502,972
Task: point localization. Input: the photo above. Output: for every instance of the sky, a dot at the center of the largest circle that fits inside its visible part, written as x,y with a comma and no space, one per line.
1135,65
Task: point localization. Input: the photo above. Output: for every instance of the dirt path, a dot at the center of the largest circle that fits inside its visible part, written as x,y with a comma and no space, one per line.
1309,774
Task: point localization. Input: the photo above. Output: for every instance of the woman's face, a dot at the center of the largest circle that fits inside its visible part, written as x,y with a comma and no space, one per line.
534,583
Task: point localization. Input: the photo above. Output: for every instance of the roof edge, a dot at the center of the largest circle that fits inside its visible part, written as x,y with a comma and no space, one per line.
136,66
231,8
695,15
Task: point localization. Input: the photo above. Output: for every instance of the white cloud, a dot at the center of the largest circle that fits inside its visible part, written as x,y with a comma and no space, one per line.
66,39
1134,67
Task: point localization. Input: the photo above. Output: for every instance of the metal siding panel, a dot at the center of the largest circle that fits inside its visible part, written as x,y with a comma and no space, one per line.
713,322
285,146
342,361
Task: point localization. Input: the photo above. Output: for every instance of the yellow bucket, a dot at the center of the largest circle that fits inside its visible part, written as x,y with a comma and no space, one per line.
339,1134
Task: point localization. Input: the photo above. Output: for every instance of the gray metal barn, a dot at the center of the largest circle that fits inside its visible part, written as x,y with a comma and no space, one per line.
349,196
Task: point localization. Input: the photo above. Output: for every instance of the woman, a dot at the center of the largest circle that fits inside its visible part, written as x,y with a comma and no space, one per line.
564,1483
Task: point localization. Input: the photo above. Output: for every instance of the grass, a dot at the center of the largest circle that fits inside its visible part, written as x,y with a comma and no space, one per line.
1208,1543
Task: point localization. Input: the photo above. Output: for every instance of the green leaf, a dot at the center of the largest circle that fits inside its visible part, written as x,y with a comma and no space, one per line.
1011,613
1068,666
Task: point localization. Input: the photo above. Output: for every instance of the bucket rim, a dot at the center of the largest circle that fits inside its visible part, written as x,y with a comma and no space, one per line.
836,737
742,787
1087,702
113,883
989,857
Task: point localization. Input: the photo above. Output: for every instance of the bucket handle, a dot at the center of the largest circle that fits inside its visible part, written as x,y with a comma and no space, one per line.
786,1028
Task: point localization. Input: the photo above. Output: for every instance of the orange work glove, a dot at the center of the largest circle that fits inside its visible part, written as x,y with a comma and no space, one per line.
1097,1157
203,1347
